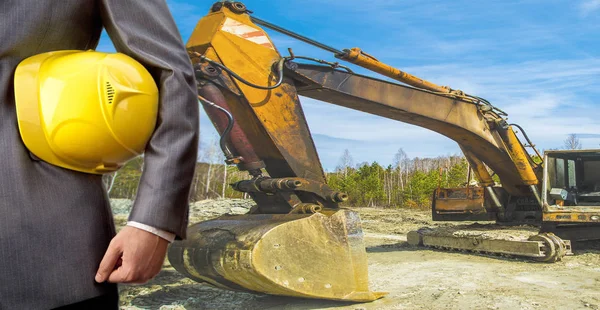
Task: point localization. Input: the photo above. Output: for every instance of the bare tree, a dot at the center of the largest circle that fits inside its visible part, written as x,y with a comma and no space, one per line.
346,162
109,181
572,142
400,161
224,180
388,185
210,157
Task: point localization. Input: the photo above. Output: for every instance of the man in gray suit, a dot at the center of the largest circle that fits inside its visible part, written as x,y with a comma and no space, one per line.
56,224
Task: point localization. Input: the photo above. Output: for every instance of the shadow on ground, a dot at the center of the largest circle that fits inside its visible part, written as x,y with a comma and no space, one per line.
586,247
579,248
170,288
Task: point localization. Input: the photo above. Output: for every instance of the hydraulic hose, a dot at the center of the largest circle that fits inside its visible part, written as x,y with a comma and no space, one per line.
225,134
279,69
528,141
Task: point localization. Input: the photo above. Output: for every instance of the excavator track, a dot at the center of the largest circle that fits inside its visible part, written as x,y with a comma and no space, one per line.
543,247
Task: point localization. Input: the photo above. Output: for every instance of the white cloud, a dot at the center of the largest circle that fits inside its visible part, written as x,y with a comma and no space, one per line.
550,99
534,69
539,96
587,7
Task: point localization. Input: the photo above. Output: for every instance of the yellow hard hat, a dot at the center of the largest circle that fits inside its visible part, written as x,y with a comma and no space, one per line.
84,110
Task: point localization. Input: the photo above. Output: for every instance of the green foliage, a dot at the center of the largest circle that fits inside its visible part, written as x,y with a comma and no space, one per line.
366,184
496,178
421,187
408,183
457,174
126,179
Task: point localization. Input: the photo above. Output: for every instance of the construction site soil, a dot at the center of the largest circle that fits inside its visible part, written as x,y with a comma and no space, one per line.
415,277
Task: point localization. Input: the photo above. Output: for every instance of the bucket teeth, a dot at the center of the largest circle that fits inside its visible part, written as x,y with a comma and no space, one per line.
301,255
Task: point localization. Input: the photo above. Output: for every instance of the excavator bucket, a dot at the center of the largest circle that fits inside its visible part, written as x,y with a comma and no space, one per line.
301,255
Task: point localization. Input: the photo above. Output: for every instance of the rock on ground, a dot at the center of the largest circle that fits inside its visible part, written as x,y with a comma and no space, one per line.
121,206
213,208
199,209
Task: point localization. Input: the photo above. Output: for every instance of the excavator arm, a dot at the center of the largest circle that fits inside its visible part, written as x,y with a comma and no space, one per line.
298,241
236,45
458,120
482,134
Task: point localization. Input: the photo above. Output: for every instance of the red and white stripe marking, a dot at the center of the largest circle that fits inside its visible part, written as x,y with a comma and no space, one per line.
247,32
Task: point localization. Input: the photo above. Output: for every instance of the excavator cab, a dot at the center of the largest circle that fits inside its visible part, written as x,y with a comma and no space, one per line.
571,187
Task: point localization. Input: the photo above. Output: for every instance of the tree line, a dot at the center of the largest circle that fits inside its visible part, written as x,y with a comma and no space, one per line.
409,182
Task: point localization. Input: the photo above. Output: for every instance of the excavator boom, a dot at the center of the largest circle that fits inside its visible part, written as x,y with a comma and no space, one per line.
459,120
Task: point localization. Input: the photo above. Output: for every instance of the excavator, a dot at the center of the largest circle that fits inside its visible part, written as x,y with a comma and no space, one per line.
298,240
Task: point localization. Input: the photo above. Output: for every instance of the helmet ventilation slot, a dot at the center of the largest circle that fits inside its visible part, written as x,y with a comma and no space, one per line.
110,92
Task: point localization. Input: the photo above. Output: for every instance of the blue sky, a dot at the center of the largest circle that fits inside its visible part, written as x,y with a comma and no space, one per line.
537,60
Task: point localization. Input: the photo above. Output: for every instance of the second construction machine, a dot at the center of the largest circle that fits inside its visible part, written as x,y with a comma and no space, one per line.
297,241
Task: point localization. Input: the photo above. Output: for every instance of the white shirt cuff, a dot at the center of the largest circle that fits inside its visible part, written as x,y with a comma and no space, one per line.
159,232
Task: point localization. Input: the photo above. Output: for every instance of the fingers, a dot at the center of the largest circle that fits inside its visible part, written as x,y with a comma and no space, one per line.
110,259
141,255
133,274
123,274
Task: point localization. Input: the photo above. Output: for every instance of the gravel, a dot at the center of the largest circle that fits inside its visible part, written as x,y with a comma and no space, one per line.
200,209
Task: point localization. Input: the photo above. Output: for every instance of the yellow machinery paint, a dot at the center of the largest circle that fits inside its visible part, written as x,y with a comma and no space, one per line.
290,242
360,58
229,39
241,252
284,246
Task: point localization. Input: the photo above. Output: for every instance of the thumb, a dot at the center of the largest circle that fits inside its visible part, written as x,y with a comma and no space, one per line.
107,265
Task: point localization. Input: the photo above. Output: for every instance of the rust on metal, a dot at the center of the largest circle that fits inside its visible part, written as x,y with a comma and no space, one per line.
296,241
314,192
462,200
544,247
458,120
306,208
461,204
522,161
272,120
479,169
237,141
360,58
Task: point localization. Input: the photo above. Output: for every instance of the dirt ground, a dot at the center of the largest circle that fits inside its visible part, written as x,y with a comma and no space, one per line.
415,277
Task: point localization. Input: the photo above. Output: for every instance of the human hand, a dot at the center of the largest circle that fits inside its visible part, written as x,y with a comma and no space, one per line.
133,256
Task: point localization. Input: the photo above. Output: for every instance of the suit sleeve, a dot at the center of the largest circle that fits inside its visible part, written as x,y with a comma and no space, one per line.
146,31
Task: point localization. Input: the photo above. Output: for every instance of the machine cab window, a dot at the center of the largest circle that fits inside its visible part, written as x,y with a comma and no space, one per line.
572,178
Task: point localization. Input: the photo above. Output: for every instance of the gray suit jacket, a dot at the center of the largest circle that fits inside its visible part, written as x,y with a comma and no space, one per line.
55,224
